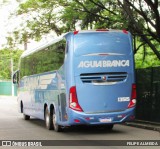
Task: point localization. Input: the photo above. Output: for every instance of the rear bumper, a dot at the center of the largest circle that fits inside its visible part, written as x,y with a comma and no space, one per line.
81,118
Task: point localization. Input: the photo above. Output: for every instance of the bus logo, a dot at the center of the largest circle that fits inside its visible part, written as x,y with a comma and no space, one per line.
108,63
104,78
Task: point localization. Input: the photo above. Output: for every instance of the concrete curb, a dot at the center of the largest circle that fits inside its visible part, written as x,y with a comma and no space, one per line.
145,125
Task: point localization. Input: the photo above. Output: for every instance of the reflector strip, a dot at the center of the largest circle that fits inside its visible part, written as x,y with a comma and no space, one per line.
102,54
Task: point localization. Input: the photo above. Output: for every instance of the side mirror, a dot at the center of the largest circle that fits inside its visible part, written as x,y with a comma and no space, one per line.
15,77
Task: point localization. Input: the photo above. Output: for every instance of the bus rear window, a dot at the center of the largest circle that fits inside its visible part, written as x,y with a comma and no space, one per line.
103,42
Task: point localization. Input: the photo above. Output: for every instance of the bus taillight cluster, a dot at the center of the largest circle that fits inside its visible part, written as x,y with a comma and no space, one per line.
73,100
132,102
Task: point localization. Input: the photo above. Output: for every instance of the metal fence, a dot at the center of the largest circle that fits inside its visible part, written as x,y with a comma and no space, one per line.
6,88
148,94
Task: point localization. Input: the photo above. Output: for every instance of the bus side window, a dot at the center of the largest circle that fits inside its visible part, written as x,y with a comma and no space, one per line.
28,66
39,62
60,46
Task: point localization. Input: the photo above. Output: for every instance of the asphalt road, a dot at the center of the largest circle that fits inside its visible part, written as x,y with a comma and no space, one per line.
13,127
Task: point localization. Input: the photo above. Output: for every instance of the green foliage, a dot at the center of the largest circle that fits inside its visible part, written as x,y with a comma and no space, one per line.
141,18
93,14
62,15
145,57
38,18
5,62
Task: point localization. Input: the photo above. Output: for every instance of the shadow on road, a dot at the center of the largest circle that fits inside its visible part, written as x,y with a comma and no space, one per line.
79,129
91,130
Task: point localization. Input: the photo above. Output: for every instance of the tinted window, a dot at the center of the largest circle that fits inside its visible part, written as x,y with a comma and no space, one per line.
48,59
107,42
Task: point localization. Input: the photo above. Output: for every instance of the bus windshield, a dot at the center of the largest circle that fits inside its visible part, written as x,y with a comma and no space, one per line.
105,42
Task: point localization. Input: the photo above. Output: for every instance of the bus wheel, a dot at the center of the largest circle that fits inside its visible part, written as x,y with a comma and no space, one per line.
26,117
48,119
57,127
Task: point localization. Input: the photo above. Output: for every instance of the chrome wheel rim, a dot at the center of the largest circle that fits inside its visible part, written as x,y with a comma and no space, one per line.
47,120
54,121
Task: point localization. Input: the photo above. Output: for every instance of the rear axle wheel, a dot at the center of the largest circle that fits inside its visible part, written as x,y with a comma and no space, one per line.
57,127
48,119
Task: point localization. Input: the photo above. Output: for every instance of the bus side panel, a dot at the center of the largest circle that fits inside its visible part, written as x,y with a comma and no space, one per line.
25,97
46,93
62,103
51,91
37,90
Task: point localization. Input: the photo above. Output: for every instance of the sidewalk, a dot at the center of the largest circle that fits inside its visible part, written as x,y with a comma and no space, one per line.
144,124
7,97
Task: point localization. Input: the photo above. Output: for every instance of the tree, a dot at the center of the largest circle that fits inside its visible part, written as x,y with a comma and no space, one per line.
5,62
144,21
61,16
140,17
93,14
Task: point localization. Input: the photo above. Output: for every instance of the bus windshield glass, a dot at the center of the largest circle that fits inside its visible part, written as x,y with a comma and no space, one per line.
103,42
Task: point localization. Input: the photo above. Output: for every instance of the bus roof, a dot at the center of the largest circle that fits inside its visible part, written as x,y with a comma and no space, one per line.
28,52
101,30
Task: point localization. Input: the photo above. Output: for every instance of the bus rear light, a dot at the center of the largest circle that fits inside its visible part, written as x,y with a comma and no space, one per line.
73,101
76,121
134,93
75,32
124,31
132,102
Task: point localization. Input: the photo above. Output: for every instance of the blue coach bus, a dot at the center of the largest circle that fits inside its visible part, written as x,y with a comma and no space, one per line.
80,78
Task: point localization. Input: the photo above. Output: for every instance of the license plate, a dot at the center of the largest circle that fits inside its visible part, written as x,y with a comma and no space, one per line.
104,120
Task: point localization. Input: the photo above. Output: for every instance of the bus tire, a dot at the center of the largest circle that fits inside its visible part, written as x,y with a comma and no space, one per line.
56,127
26,117
48,119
